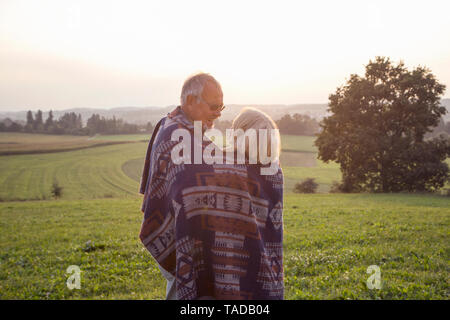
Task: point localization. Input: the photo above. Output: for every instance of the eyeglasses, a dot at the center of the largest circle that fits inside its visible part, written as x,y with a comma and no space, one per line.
213,108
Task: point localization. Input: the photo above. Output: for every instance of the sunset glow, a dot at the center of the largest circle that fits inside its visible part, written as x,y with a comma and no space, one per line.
61,54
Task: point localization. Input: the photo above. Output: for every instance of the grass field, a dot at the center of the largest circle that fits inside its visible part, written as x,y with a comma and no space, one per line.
114,170
329,239
84,174
329,242
23,143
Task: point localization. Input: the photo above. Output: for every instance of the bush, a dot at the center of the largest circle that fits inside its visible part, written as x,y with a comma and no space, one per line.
307,186
56,190
341,187
336,187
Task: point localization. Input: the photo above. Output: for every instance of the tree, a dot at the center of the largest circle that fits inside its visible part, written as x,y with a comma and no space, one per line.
30,122
377,127
7,125
15,127
298,124
79,121
93,124
48,126
38,122
70,123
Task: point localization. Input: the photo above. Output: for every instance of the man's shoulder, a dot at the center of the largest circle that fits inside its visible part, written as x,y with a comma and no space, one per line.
165,132
173,121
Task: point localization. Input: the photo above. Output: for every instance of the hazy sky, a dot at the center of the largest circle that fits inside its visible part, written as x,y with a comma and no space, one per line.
57,54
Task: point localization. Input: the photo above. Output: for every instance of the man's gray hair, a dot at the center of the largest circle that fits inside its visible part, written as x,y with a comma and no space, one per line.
194,86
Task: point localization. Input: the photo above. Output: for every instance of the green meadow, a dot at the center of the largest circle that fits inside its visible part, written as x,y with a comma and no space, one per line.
12,143
329,239
84,174
114,170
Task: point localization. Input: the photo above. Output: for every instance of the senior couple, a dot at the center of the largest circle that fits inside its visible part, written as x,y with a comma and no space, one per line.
215,230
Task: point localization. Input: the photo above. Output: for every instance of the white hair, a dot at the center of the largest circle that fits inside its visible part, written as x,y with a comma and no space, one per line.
194,86
253,118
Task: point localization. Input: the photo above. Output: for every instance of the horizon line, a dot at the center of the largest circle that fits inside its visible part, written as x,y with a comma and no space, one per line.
172,105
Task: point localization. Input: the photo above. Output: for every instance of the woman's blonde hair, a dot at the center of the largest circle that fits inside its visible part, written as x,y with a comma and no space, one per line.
256,119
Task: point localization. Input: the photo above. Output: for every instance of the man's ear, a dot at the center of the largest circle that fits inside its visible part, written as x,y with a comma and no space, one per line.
190,99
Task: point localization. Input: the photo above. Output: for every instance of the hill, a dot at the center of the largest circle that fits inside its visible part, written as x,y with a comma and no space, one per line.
446,104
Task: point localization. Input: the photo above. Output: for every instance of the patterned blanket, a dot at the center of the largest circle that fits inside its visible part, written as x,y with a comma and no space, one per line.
217,228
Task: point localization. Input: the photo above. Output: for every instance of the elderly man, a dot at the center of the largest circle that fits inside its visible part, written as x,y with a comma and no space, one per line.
214,230
201,100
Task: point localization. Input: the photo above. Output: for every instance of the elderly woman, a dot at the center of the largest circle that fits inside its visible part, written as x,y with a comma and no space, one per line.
265,190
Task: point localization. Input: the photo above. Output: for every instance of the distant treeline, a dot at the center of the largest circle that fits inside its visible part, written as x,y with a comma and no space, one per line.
72,124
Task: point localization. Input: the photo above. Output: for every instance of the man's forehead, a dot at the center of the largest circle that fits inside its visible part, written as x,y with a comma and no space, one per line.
212,90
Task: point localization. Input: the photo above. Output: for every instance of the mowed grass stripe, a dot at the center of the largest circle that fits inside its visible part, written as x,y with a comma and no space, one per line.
113,179
133,168
18,183
84,174
36,178
116,178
